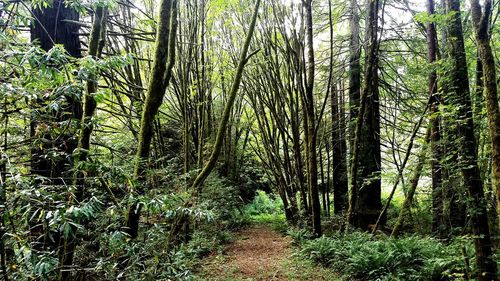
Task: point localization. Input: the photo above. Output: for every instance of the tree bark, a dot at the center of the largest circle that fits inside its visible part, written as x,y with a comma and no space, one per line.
354,70
459,96
161,72
96,44
436,174
365,200
312,167
339,149
481,26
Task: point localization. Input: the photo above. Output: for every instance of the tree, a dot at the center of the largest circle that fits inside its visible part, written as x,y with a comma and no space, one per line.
197,185
436,169
55,25
481,20
311,133
459,96
164,58
339,149
365,203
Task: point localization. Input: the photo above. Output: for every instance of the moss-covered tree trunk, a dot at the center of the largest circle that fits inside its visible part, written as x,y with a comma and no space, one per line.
365,198
312,167
164,57
436,175
96,44
354,70
459,96
52,25
481,24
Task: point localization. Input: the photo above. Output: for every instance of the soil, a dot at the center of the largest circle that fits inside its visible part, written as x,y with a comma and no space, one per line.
259,253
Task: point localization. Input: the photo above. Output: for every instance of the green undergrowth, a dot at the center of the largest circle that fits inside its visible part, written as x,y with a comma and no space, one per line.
359,256
264,209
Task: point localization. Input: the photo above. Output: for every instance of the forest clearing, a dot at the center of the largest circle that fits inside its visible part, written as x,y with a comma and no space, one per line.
249,140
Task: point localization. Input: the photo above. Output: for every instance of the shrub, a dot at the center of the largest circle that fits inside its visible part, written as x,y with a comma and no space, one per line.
358,255
299,235
263,204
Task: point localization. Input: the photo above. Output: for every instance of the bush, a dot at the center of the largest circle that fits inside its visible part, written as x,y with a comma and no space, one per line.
358,255
263,204
299,235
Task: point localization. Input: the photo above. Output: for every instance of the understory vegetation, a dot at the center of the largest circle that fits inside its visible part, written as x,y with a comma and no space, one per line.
360,256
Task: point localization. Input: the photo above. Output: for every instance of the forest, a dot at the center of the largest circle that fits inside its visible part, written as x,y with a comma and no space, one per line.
249,140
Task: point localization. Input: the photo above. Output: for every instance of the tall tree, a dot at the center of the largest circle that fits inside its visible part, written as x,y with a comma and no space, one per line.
459,96
53,25
164,57
365,198
432,55
312,161
354,69
339,149
96,44
481,19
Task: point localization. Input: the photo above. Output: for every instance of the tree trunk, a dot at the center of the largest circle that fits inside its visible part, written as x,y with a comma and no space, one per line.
312,166
432,54
417,172
164,58
481,24
96,44
354,70
460,97
365,201
49,27
339,173
56,25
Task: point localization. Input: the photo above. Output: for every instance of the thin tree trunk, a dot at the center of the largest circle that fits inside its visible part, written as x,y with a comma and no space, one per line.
96,44
311,120
401,169
417,172
3,197
354,70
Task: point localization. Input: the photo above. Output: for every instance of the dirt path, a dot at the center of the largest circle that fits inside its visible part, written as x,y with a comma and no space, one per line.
259,253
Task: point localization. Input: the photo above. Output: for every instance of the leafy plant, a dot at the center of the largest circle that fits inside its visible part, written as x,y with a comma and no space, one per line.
410,258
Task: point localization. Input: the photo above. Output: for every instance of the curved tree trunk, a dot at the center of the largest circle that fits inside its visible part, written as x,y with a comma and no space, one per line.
164,58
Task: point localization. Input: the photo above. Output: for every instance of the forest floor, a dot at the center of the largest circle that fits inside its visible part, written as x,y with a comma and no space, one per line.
260,253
